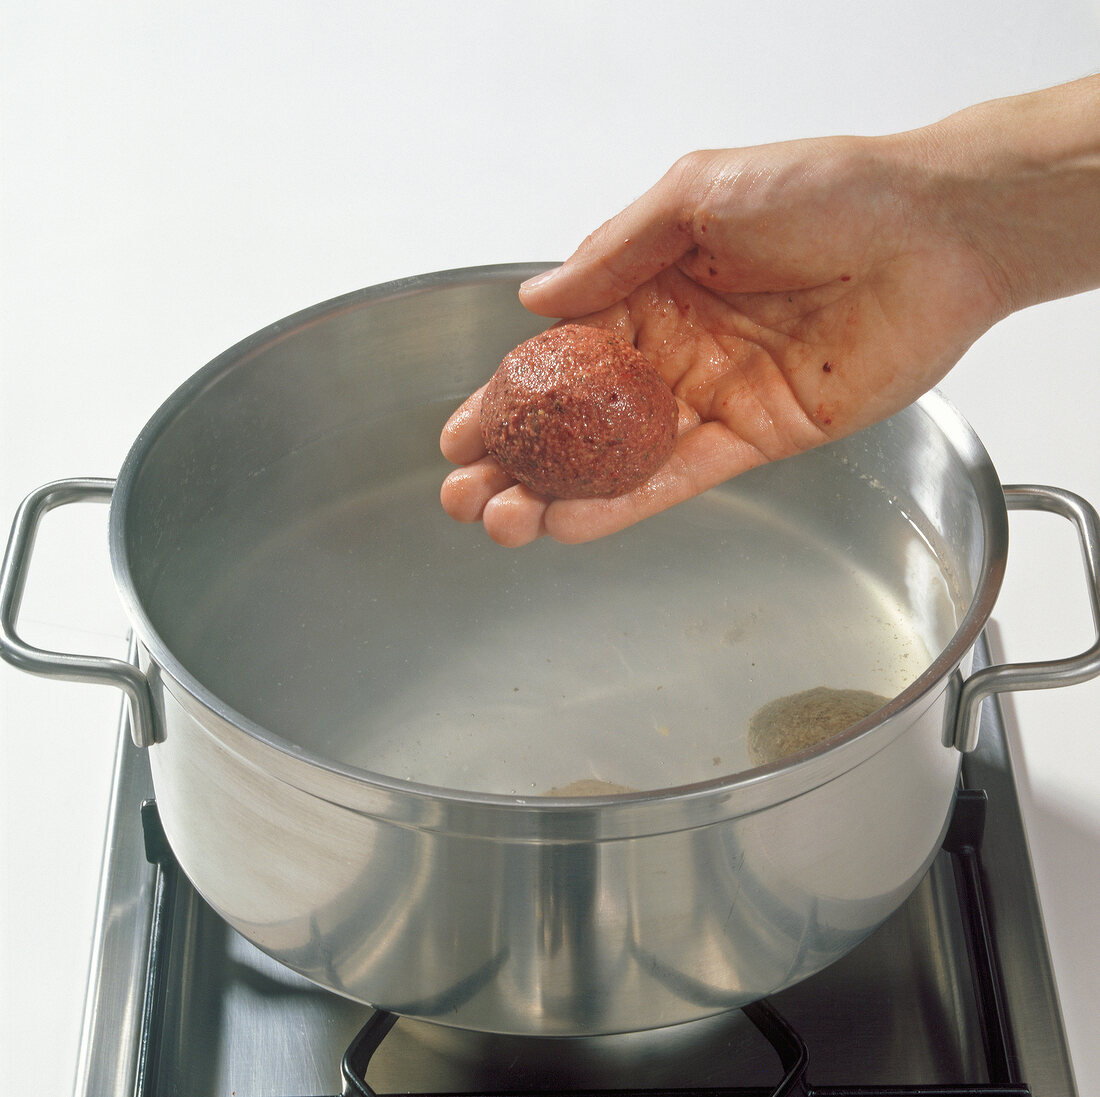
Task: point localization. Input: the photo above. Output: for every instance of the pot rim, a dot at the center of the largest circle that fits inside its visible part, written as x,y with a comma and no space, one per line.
731,794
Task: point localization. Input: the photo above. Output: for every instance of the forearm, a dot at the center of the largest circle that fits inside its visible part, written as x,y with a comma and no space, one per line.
1019,178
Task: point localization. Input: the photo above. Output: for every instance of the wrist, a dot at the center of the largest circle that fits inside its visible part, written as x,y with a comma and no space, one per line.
1018,180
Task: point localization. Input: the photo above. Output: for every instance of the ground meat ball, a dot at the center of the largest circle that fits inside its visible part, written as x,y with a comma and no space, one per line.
800,720
578,412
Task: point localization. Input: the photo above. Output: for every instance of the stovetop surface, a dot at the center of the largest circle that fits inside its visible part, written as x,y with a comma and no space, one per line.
248,1026
900,1010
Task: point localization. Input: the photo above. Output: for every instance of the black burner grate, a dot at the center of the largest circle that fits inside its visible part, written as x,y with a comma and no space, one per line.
963,842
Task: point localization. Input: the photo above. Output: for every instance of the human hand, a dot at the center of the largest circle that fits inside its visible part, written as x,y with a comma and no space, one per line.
789,294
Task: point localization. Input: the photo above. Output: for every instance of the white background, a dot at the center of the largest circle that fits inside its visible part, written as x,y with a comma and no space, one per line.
176,176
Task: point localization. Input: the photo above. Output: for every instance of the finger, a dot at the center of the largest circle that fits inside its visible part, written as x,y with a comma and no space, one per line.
460,440
649,235
465,492
515,517
705,456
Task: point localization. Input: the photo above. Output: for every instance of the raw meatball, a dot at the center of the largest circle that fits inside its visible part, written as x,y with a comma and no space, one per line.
800,720
578,412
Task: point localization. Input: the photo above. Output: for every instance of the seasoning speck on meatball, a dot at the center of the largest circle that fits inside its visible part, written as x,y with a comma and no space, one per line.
578,412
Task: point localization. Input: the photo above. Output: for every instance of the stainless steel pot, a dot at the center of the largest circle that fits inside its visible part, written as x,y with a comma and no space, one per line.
354,707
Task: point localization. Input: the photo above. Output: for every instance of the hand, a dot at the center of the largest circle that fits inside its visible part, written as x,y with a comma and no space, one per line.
788,294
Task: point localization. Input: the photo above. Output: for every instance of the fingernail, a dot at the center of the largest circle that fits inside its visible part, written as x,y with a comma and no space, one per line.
540,279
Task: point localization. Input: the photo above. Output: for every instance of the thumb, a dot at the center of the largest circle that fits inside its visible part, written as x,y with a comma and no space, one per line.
649,235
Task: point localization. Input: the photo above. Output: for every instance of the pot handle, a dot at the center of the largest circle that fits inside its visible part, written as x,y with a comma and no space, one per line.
53,664
1054,672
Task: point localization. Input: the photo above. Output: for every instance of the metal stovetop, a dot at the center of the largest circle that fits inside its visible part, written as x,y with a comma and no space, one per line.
902,1010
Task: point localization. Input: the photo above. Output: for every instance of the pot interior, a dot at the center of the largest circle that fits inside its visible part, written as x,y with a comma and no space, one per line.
278,530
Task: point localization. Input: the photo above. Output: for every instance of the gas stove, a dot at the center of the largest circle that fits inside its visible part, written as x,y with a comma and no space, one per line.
953,995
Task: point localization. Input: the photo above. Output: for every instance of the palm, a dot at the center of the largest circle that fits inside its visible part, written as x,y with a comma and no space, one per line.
784,371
